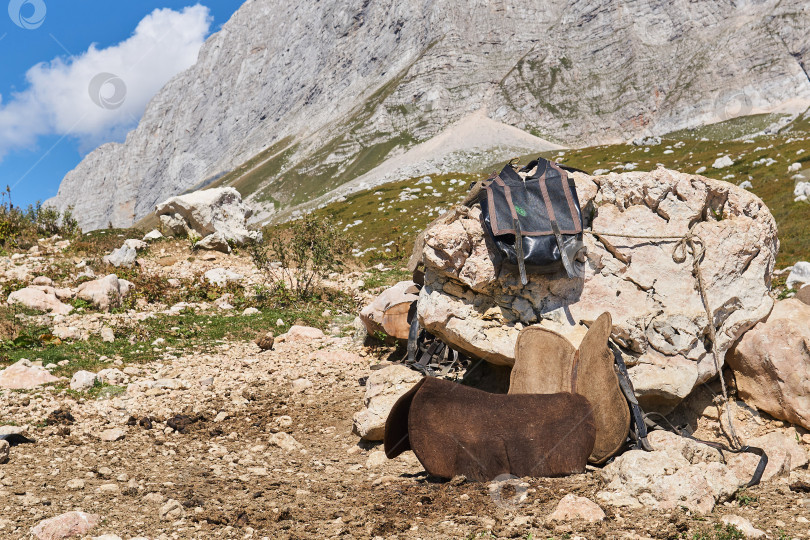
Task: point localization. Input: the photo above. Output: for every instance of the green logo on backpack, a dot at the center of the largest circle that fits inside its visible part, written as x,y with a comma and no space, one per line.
520,211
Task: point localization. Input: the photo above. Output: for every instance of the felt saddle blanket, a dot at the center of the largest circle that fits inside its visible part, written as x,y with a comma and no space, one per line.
457,430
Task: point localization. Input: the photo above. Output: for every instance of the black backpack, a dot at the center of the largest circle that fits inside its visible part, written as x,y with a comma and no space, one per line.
533,217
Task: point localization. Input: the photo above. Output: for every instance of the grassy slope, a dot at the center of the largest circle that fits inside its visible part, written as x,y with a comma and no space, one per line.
384,225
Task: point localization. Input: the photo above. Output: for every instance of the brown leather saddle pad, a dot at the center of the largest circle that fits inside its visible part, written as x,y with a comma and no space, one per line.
547,363
454,429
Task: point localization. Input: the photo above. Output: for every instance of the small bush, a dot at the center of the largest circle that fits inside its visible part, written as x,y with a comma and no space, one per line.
311,249
21,228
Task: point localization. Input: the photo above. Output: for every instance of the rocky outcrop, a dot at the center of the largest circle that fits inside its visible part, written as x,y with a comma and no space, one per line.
771,363
217,215
384,75
647,285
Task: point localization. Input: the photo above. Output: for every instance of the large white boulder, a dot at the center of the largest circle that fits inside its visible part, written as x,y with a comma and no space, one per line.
105,292
771,363
23,375
658,316
208,211
40,298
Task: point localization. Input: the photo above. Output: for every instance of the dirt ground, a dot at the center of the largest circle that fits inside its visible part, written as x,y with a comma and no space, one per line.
233,483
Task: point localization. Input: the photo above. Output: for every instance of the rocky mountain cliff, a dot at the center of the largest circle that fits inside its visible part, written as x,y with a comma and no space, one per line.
292,100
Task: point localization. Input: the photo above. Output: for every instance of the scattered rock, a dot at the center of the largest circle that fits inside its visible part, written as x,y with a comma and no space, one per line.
265,341
112,435
298,333
77,484
383,388
43,281
665,480
4,451
376,459
221,277
250,311
722,162
137,245
214,242
122,257
107,334
476,308
104,292
40,298
799,275
743,525
771,363
784,455
152,235
208,211
65,526
285,441
82,381
172,510
23,375
572,507
301,385
68,333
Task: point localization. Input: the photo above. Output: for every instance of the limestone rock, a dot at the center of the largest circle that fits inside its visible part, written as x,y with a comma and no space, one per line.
152,235
803,295
664,480
107,335
23,375
4,451
122,257
82,381
40,298
298,333
104,292
722,162
112,435
172,510
174,225
222,276
771,363
65,526
137,245
373,315
572,507
42,280
658,315
784,455
743,525
214,242
210,211
285,441
383,388
799,275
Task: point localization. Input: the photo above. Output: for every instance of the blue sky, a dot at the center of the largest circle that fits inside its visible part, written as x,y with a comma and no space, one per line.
77,74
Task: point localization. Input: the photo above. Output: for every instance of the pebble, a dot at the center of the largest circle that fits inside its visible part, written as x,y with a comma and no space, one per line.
4,446
77,484
112,435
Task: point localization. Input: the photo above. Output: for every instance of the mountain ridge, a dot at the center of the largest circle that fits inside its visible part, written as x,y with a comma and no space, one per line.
381,78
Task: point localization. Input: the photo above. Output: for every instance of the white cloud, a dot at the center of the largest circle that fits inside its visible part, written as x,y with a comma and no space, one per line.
58,99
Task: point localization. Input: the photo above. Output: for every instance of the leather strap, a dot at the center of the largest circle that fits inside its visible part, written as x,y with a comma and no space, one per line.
569,267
